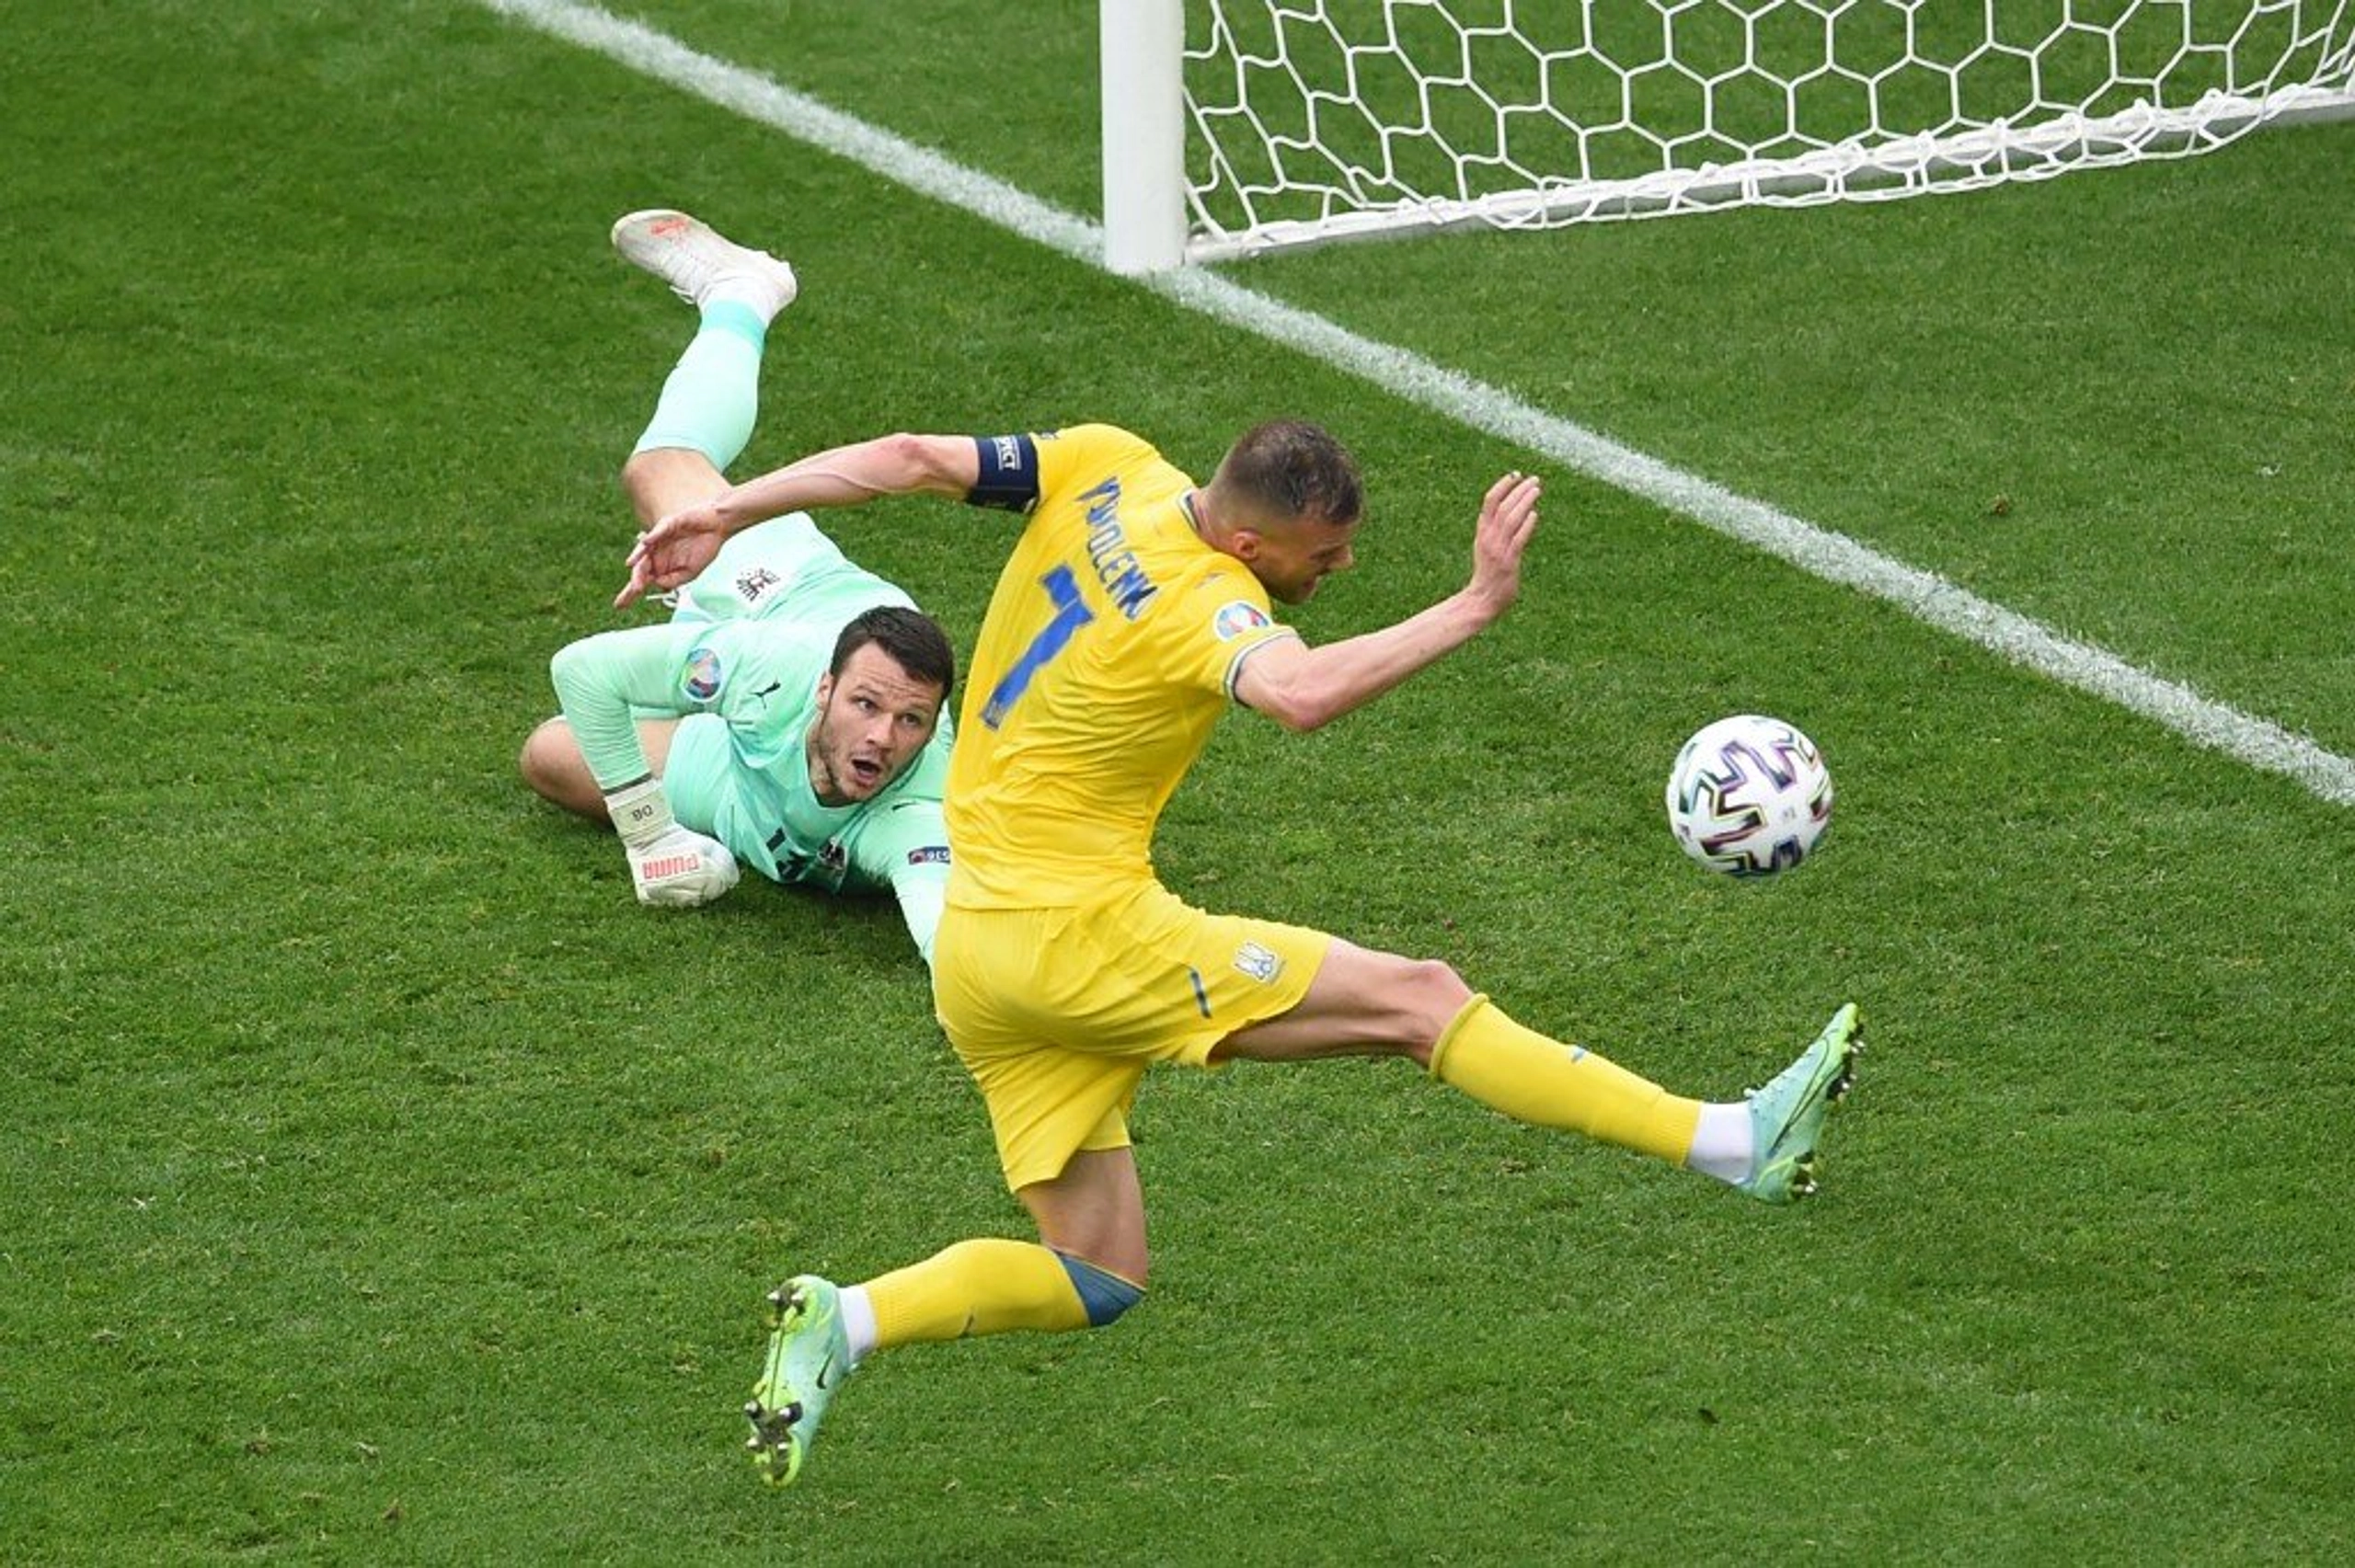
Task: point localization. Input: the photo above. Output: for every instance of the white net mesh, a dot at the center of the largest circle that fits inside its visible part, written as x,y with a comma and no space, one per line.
1318,119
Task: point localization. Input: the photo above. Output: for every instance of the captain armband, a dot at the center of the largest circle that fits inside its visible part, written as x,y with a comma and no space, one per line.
1009,469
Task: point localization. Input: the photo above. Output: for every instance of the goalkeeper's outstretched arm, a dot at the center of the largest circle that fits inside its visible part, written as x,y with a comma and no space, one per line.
679,545
598,681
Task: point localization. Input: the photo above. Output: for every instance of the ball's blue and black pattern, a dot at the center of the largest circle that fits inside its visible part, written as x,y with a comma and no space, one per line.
1749,796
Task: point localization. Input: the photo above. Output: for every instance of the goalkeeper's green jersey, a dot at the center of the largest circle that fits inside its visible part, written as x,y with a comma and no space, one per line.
739,664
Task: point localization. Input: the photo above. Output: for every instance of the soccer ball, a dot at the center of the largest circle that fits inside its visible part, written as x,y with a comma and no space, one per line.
1749,796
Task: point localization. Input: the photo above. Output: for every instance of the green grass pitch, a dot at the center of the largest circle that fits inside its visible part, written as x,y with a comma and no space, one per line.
380,1185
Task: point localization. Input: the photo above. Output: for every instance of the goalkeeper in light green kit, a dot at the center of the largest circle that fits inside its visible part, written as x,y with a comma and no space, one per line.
790,715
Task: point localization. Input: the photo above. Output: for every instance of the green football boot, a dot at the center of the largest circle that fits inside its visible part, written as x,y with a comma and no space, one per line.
809,1357
1787,1117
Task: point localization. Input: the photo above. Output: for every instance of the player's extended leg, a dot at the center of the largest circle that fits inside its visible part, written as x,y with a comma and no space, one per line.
712,396
700,424
552,764
1087,1268
664,479
1365,1003
1094,1211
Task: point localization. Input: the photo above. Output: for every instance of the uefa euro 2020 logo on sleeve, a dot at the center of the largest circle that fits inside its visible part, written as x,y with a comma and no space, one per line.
703,675
1237,617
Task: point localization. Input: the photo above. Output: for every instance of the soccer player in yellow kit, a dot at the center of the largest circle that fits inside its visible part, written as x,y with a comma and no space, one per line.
1135,608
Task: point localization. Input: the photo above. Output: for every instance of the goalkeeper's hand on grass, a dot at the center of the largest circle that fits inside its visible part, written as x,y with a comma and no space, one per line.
682,869
673,867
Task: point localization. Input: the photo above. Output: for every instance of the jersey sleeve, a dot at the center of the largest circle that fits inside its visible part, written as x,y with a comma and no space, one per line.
753,674
1207,630
1018,471
905,847
603,683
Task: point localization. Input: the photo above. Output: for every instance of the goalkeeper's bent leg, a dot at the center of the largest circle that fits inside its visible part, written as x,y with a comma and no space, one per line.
712,395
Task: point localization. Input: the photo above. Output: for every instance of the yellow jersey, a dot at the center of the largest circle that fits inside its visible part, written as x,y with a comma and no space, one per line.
1109,649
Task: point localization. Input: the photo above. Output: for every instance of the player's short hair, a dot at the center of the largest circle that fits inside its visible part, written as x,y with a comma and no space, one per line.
1293,468
913,638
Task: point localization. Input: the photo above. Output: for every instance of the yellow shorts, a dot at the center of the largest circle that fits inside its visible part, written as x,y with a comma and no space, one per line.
1057,1012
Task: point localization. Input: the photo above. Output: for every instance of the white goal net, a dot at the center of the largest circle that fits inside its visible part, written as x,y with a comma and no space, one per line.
1308,120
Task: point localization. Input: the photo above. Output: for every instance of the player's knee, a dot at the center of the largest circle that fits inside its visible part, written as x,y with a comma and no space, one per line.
550,763
532,761
660,480
1103,1293
641,477
1431,993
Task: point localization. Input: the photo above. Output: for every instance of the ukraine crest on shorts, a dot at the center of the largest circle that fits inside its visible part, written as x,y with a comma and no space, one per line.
1258,962
1236,618
703,675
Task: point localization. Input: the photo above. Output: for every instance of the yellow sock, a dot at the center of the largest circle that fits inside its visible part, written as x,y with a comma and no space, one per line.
1547,1083
979,1287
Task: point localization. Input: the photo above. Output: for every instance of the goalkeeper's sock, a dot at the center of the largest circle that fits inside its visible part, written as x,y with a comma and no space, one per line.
975,1288
1544,1083
713,394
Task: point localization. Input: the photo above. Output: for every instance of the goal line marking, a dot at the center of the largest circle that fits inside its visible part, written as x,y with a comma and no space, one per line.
1835,558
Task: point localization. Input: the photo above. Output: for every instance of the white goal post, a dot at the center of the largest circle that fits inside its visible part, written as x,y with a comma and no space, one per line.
1237,126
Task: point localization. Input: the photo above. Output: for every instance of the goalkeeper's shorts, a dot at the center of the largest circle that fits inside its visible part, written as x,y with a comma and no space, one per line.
785,568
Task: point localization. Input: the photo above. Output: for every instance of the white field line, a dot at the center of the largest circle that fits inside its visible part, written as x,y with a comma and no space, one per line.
2258,742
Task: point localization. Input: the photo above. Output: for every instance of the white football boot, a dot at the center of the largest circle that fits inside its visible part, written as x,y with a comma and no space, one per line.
701,264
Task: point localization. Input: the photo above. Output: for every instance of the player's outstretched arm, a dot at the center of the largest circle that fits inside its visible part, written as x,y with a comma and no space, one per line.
904,846
683,544
602,682
1303,688
921,895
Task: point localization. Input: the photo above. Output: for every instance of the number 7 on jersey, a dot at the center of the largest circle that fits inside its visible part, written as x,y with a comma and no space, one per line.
1071,614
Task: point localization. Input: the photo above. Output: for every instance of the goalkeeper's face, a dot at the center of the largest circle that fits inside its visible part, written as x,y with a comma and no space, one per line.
873,719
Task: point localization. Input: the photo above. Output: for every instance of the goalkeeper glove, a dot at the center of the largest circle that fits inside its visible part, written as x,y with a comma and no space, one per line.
672,867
